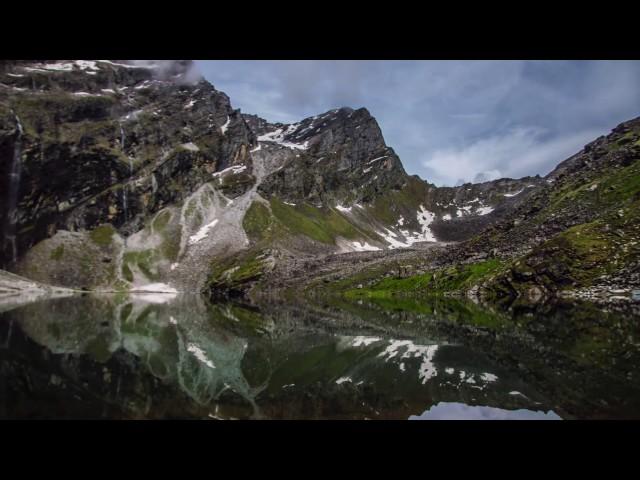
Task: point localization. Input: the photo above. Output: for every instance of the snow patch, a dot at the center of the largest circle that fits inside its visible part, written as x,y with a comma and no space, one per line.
376,159
425,218
464,211
489,377
64,66
202,233
191,147
393,243
484,210
364,247
513,194
364,341
277,136
234,170
225,126
200,355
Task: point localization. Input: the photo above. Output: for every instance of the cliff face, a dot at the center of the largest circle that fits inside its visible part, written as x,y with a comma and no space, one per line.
84,143
342,158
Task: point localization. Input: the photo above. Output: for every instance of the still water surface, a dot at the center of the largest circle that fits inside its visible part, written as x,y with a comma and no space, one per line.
150,356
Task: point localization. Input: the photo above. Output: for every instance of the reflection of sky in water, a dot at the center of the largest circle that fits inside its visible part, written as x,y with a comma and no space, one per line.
461,411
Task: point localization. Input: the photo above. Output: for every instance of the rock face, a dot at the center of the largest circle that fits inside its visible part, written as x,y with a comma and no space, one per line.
341,157
106,142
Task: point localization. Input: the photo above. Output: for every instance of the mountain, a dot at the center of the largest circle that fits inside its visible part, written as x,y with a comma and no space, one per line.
128,175
574,234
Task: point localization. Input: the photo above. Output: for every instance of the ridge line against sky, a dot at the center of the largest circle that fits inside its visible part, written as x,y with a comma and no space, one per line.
449,121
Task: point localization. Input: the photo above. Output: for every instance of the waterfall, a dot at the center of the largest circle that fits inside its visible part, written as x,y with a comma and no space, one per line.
14,185
121,137
124,201
126,188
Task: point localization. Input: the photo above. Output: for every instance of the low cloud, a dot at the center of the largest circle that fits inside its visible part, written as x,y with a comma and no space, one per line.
519,152
184,72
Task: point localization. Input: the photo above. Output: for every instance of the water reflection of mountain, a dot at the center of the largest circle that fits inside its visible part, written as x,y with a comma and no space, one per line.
137,357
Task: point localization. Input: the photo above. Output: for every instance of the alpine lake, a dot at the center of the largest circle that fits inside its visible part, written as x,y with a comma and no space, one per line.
167,356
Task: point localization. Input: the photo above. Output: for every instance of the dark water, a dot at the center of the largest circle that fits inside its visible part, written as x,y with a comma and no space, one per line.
163,357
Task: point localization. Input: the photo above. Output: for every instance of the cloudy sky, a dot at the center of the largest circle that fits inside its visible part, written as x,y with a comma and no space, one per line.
449,121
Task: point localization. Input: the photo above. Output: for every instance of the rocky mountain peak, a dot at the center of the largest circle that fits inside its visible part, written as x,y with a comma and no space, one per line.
339,155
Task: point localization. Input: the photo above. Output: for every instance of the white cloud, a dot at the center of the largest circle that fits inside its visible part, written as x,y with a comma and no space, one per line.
520,151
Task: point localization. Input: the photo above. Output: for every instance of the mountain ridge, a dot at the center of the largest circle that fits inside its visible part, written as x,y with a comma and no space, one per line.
126,173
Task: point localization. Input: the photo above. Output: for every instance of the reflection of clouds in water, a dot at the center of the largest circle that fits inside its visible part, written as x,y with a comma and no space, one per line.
461,411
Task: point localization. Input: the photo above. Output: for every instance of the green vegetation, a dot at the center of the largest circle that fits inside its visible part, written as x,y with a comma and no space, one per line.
46,114
389,207
236,272
603,192
102,235
578,256
57,253
144,260
258,222
161,220
453,279
320,224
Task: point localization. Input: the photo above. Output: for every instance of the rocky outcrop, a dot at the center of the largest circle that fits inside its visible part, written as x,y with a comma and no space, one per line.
574,234
107,142
341,157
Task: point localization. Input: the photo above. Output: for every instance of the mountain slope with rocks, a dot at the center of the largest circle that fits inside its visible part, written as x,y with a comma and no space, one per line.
123,174
576,234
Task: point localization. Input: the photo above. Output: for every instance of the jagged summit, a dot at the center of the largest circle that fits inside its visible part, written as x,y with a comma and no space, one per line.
340,156
319,132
